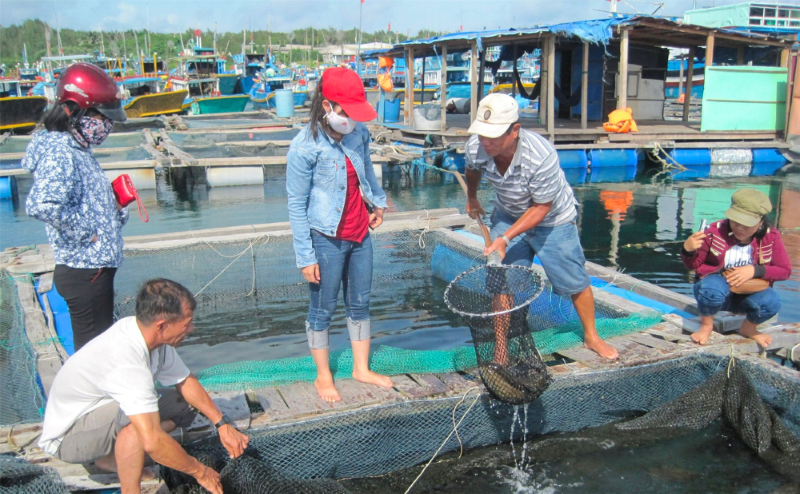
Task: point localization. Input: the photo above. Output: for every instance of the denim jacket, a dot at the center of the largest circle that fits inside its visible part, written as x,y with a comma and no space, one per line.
72,195
316,183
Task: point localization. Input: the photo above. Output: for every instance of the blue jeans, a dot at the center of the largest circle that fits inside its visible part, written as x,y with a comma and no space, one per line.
558,247
341,264
713,294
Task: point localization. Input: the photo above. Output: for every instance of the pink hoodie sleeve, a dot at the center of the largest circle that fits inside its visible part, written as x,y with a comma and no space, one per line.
780,267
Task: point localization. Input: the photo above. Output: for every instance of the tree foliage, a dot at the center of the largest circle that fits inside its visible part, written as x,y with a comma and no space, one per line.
31,34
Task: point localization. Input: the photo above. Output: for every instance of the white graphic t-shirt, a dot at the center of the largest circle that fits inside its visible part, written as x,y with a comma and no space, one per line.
739,255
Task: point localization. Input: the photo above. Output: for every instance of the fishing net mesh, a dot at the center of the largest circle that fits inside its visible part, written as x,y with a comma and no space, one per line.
658,400
17,476
494,302
21,399
250,289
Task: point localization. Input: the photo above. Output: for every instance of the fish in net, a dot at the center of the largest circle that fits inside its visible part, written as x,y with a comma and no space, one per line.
493,299
249,474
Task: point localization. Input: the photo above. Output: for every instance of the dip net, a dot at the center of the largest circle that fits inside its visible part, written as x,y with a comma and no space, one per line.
494,301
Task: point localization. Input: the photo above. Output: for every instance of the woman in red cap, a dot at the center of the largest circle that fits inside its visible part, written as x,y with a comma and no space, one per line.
330,183
73,197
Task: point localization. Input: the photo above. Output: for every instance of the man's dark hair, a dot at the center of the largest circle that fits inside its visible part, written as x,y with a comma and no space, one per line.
162,298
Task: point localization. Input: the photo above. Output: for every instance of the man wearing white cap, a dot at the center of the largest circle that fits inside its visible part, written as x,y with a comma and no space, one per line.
534,208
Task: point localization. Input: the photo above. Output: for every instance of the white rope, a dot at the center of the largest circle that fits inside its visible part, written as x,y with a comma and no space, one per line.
235,258
454,431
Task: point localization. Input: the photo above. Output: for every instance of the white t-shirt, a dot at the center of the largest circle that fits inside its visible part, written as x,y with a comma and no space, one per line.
115,366
739,255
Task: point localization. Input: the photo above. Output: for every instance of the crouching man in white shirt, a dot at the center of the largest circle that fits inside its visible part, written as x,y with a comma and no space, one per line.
104,406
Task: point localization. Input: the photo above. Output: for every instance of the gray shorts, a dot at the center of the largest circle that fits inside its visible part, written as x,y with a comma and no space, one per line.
93,435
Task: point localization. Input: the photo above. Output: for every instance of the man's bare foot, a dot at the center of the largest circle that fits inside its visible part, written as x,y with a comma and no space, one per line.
601,348
370,377
326,389
702,335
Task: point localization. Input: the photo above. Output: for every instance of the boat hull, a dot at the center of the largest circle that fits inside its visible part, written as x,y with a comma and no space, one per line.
220,104
227,83
156,104
21,114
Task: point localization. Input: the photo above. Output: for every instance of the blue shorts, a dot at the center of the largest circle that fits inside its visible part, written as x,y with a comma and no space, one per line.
558,247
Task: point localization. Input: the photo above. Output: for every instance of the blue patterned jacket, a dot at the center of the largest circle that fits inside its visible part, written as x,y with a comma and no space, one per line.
72,195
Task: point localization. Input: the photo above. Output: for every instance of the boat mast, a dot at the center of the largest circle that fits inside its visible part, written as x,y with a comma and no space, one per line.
102,44
47,39
125,53
358,51
136,38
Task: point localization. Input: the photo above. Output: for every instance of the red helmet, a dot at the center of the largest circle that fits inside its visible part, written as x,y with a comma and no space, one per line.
88,86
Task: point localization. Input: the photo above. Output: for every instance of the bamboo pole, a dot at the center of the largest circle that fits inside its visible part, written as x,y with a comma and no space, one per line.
585,86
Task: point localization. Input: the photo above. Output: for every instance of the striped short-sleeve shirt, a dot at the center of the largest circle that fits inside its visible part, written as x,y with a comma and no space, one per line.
534,176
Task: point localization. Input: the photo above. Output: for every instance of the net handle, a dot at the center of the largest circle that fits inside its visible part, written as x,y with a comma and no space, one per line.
487,238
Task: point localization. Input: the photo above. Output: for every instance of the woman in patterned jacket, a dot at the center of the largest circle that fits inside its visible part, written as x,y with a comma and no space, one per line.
73,197
730,253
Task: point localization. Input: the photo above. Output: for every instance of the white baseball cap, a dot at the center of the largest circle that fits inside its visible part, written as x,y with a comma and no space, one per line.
495,113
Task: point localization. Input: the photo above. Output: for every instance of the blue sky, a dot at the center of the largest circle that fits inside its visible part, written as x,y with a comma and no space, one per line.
281,15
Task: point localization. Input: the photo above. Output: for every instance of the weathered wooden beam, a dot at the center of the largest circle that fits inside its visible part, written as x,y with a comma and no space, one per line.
443,86
687,101
622,98
585,86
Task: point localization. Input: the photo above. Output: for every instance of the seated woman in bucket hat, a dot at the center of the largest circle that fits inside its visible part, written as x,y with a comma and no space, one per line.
737,260
328,169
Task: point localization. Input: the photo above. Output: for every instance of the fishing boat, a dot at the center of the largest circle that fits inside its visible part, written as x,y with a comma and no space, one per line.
19,113
145,97
248,67
672,87
198,76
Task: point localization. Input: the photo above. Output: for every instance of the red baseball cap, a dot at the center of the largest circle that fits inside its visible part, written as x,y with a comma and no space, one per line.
343,86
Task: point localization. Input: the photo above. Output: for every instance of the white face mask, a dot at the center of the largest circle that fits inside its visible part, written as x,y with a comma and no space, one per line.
339,123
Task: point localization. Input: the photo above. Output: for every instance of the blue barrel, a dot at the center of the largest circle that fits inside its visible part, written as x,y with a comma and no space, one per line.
612,174
612,157
7,186
575,176
693,172
391,110
691,157
284,103
768,156
766,168
572,158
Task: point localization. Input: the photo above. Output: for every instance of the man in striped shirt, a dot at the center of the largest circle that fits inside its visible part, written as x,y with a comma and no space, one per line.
534,208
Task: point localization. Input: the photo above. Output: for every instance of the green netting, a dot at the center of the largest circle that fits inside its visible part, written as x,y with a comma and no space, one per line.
250,290
570,335
21,398
386,360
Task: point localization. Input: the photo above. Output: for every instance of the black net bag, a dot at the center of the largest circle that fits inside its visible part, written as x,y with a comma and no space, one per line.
494,303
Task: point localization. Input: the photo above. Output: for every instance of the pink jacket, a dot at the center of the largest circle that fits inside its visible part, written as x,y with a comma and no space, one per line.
769,254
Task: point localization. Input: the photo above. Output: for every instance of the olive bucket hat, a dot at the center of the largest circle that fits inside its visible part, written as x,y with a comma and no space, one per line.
748,207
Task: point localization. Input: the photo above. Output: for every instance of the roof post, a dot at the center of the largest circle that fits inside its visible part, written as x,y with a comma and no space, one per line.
687,99
443,87
473,85
551,82
585,86
409,103
710,49
622,97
